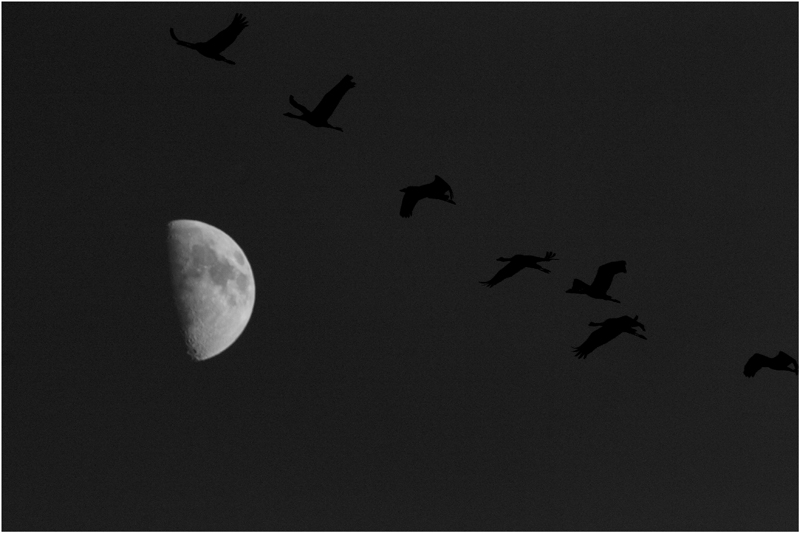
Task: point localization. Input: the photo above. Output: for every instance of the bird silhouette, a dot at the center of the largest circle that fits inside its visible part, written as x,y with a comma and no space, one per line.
517,263
602,281
609,330
437,190
782,361
319,117
214,46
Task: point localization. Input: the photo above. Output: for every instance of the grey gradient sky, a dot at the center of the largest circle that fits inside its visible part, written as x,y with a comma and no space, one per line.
378,385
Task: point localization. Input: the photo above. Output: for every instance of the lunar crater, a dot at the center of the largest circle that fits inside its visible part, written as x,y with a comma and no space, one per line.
213,286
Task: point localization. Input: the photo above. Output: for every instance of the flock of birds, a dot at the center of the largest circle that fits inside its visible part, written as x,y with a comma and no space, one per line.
439,189
610,328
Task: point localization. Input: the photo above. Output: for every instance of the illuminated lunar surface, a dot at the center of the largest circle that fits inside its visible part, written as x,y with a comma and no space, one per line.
213,286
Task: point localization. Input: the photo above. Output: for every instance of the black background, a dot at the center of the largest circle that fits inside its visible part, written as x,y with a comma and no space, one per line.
378,385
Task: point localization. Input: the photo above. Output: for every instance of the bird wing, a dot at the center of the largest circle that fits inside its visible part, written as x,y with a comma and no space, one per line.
172,34
605,275
328,104
625,321
597,338
784,357
225,38
410,199
755,363
633,332
298,106
506,272
442,186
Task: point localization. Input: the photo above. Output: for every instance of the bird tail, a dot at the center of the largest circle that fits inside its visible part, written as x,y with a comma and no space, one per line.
487,283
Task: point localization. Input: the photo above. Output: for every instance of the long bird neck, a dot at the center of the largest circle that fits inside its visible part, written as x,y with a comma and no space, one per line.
301,117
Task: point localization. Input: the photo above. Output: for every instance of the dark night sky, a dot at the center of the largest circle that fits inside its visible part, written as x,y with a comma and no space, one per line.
378,385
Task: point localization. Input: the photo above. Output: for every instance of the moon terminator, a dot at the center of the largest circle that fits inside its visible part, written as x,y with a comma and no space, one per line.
212,284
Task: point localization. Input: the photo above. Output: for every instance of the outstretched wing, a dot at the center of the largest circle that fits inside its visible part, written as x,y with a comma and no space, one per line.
410,199
506,272
625,321
298,106
754,364
442,186
328,104
605,275
633,332
597,338
225,38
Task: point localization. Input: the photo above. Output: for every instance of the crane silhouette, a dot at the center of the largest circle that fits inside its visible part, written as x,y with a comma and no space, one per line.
319,117
602,281
517,263
214,46
609,330
782,361
437,190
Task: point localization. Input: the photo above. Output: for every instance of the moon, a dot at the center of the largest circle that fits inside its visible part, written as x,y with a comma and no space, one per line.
212,284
